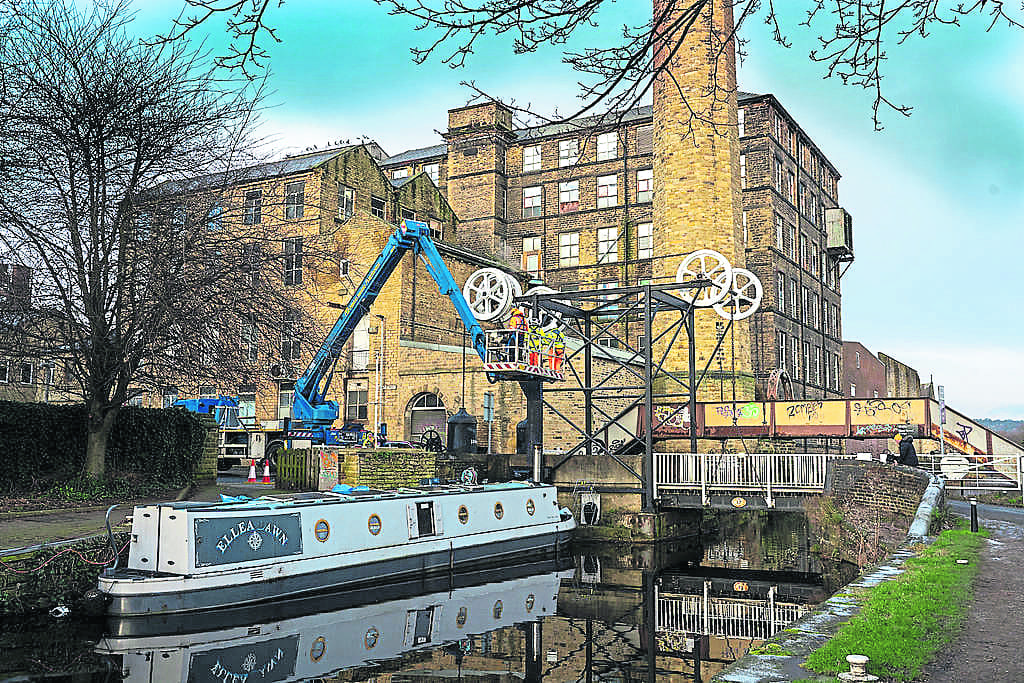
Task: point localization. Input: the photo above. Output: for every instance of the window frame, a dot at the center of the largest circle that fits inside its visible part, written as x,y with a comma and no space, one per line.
252,207
645,185
567,189
531,209
568,152
645,252
612,255
568,249
294,200
603,140
346,201
534,153
292,252
533,247
610,198
379,207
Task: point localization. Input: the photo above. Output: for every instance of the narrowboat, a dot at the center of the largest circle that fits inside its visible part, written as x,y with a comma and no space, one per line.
190,556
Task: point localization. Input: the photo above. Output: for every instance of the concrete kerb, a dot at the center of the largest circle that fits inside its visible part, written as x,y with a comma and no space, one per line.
813,630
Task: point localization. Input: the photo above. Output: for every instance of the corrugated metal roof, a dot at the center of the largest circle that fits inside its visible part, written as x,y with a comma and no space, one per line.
270,169
416,154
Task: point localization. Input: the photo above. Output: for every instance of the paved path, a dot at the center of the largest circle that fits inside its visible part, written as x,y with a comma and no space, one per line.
991,646
31,529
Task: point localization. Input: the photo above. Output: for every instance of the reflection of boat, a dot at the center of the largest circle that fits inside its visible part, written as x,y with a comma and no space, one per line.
193,556
315,645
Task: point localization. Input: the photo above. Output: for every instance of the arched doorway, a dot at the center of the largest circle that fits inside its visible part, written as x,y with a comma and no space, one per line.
426,411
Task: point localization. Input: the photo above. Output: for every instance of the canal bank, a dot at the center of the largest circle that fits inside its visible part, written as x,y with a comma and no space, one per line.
784,656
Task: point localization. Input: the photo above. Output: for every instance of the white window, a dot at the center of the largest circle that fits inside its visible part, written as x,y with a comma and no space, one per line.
608,342
290,346
346,201
356,401
252,208
607,191
436,230
780,292
294,199
531,254
644,240
876,393
207,391
853,390
780,341
247,405
607,245
568,152
399,173
607,146
741,120
433,171
746,230
531,158
293,261
343,266
608,284
360,359
857,353
25,373
568,249
795,356
743,170
569,196
168,398
284,400
532,201
247,341
645,185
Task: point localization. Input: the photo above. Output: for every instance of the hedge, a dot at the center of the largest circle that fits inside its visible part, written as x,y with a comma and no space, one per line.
41,444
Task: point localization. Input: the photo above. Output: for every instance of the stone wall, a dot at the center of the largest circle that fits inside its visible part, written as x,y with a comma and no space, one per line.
875,486
206,468
388,469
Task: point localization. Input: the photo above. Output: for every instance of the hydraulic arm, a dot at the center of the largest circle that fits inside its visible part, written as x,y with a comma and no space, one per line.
310,405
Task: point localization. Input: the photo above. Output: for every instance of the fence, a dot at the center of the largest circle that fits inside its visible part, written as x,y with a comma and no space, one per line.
724,617
767,473
976,472
298,470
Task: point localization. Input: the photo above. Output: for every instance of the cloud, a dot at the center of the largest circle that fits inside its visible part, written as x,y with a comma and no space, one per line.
981,381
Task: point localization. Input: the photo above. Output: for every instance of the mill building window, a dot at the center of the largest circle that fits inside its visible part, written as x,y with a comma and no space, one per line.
346,201
294,199
293,261
25,373
355,401
644,241
568,249
290,345
252,208
645,140
378,207
399,173
569,196
531,158
607,146
285,394
531,255
433,172
568,152
607,245
645,185
743,170
533,201
607,191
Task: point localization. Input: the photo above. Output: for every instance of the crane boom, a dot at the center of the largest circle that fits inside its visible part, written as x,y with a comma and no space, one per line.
310,405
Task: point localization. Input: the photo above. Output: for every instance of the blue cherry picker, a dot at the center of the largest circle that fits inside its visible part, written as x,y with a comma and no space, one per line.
313,414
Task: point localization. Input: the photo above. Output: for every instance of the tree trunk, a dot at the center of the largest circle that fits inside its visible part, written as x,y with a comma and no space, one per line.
101,419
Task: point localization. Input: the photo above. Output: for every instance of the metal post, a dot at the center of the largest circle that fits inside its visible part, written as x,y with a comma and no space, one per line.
692,361
538,453
942,421
534,390
702,461
588,397
974,515
648,462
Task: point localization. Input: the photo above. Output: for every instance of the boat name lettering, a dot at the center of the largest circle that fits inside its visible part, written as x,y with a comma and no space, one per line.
271,529
225,675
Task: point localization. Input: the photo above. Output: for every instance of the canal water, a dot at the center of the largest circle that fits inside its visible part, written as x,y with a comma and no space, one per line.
678,611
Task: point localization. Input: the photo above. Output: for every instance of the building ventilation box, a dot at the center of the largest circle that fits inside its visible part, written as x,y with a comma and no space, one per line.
839,228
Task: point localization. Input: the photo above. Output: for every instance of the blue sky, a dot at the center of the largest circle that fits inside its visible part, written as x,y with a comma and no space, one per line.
937,198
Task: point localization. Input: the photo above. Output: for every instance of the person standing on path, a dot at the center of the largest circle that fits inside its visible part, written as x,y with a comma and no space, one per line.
908,456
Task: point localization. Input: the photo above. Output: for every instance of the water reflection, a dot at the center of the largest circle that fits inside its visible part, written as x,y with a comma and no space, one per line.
676,611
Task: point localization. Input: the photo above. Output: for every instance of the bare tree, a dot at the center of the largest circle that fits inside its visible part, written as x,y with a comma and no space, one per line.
117,163
854,37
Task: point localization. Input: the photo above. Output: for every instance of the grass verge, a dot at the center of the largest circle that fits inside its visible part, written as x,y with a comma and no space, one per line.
905,621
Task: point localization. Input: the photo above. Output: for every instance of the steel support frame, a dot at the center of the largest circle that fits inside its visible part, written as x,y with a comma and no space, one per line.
593,314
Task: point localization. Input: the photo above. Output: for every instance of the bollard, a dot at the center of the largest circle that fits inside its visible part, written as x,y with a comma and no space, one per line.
974,515
536,463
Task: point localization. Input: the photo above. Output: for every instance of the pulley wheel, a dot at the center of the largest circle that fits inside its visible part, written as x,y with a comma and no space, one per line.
710,266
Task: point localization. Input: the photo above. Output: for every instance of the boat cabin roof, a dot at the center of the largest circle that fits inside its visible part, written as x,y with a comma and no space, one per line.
343,494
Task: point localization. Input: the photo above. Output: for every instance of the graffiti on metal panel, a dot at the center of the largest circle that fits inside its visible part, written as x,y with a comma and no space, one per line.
808,409
953,442
748,410
881,408
964,430
875,430
668,421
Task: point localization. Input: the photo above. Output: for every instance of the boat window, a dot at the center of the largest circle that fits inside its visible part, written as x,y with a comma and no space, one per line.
425,518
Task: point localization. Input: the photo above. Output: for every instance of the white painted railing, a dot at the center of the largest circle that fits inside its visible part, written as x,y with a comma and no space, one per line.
723,617
762,473
980,472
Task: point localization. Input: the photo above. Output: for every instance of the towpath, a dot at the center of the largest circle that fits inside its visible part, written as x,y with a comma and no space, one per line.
25,530
989,647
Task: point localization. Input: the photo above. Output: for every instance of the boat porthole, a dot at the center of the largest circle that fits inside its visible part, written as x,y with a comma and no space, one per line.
499,511
373,524
463,514
530,599
322,530
460,618
497,609
318,650
530,507
371,638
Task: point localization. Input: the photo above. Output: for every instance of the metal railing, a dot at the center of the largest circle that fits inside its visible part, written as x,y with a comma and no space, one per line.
978,472
763,473
725,617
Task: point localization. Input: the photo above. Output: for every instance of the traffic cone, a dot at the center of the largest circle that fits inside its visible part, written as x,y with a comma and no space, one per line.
266,471
252,471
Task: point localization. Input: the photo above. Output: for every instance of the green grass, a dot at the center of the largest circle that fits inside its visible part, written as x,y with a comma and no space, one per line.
906,620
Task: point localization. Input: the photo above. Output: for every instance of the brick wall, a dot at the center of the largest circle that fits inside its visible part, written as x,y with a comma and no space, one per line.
895,490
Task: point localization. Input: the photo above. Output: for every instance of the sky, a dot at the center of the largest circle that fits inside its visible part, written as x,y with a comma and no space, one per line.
937,198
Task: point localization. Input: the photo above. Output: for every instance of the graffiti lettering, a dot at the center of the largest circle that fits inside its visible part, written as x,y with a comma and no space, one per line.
875,430
809,409
964,430
878,406
749,410
665,421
